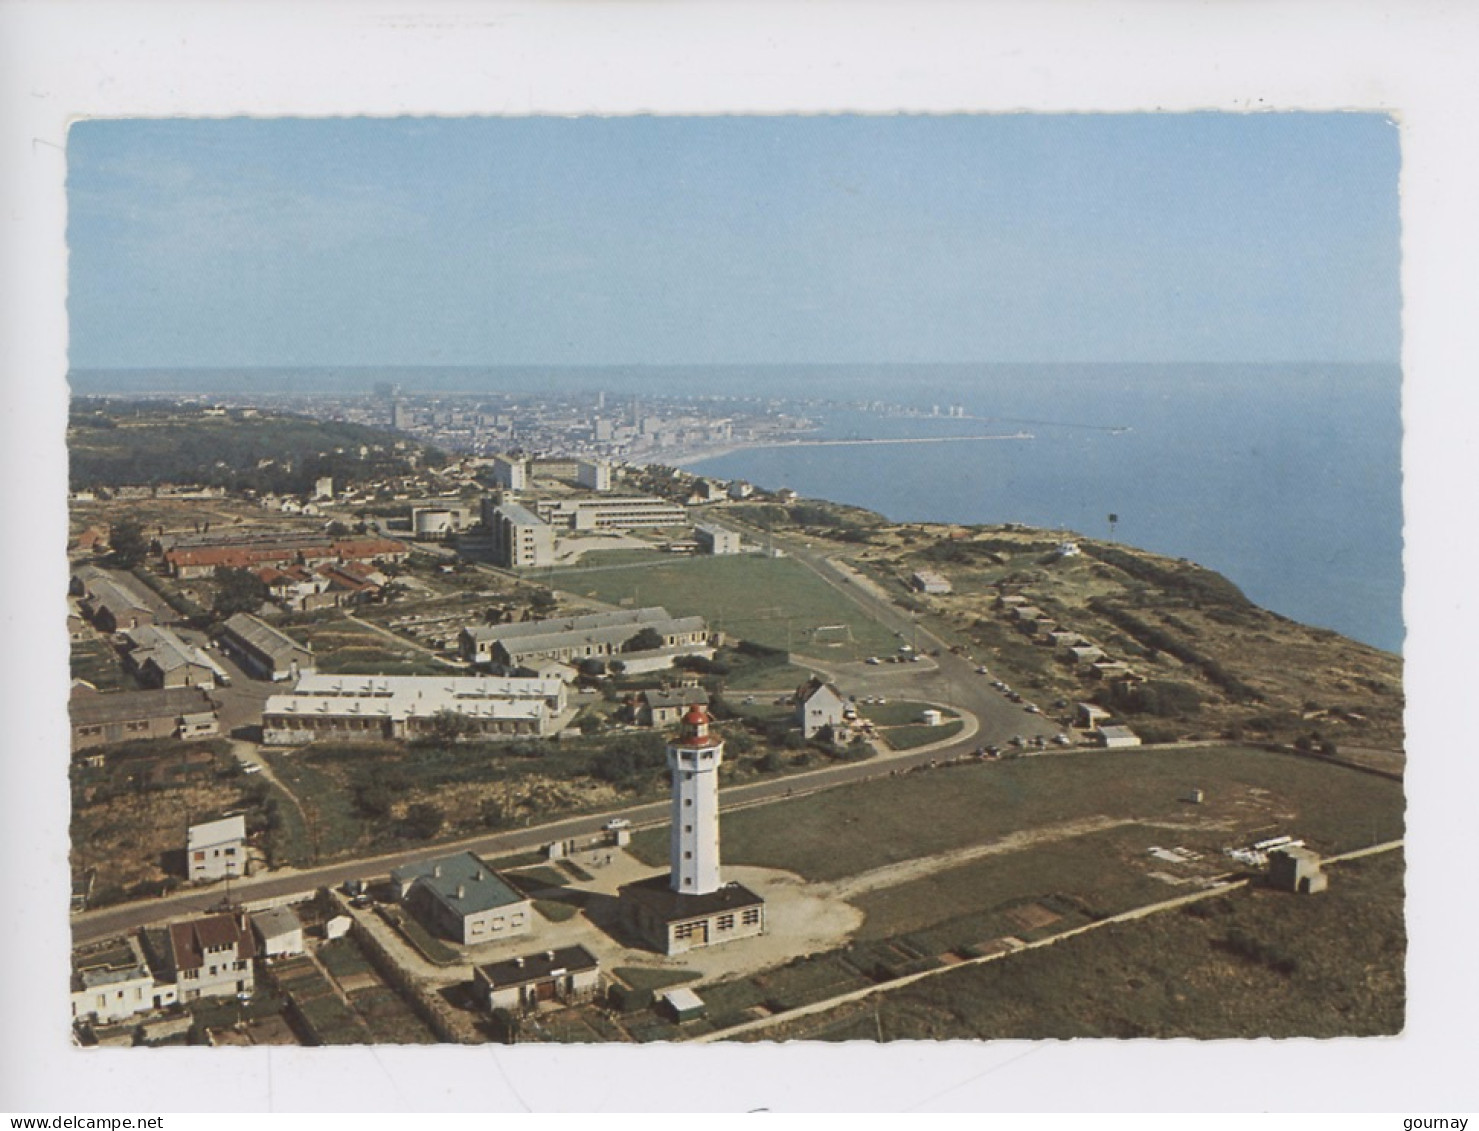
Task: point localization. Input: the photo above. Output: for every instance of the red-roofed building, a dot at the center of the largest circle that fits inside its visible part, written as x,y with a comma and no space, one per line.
186,562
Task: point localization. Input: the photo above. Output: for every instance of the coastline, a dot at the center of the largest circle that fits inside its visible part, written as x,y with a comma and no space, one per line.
689,456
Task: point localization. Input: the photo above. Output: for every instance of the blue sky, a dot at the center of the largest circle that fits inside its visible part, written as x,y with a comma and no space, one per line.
1200,237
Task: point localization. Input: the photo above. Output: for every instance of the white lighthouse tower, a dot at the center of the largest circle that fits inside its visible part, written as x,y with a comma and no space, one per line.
694,758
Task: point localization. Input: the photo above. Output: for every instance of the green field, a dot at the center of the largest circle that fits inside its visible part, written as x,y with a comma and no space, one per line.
899,712
773,601
910,737
1253,793
1098,874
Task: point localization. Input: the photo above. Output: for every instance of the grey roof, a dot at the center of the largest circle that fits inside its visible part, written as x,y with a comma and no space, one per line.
115,593
518,514
276,921
676,697
263,637
528,644
481,888
167,650
124,706
649,615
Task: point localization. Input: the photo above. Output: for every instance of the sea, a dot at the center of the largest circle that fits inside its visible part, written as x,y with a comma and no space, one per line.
1284,478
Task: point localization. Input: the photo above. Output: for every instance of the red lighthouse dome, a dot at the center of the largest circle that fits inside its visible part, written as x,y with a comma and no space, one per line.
693,728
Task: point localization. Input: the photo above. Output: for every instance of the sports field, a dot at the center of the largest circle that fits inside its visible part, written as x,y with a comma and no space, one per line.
773,601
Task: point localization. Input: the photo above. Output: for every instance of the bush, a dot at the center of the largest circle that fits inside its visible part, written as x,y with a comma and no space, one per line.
424,820
627,999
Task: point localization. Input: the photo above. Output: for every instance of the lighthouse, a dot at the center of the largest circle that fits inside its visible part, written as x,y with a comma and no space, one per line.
692,906
693,758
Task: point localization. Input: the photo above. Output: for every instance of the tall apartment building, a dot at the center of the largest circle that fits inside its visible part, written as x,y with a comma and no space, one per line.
511,474
594,475
521,540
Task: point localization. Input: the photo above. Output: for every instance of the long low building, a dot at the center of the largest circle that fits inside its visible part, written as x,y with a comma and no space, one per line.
624,512
264,651
99,718
678,636
112,600
478,642
404,707
188,562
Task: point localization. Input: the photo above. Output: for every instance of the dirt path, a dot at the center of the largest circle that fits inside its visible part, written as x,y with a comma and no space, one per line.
248,754
892,875
406,642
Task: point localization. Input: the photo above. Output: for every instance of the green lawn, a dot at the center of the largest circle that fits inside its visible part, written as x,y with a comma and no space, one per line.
899,713
648,978
555,911
907,738
772,601
844,831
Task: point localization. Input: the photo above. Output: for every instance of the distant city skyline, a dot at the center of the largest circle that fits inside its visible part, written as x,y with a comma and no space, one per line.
734,240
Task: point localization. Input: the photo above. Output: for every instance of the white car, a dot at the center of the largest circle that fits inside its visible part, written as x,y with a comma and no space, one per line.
616,823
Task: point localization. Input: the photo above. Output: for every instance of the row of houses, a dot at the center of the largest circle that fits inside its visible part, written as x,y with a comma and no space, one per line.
1070,645
1086,656
208,956
328,585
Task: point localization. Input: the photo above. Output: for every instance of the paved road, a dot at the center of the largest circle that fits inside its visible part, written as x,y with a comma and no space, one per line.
90,925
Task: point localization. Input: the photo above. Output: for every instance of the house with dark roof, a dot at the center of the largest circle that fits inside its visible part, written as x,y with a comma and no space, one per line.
675,922
212,956
566,975
463,899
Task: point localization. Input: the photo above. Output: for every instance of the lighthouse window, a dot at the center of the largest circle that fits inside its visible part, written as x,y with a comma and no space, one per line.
688,856
688,803
687,828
